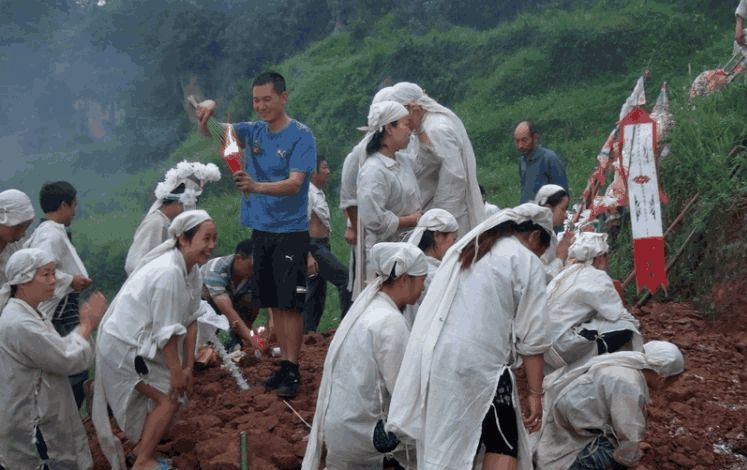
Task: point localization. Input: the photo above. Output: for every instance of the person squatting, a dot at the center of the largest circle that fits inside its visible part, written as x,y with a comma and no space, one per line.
440,305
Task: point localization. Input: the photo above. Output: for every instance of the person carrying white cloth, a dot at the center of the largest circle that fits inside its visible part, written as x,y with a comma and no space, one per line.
595,414
39,422
388,196
16,215
485,309
146,342
363,361
435,233
178,191
587,316
445,163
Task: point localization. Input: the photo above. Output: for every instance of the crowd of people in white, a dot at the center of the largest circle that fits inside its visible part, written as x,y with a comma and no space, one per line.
448,303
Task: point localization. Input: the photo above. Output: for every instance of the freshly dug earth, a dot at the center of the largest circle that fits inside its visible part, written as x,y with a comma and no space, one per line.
698,422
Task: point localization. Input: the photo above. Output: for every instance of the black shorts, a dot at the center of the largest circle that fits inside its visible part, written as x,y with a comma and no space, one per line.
280,269
501,410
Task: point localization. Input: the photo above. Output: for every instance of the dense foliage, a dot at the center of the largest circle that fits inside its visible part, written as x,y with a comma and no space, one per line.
567,65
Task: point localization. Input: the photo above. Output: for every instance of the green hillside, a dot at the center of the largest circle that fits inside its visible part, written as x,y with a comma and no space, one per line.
568,70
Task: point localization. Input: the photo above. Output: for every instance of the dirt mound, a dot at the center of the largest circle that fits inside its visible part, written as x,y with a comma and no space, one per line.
699,422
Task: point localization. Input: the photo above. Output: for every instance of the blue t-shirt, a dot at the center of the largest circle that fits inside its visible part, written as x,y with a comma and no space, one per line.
269,157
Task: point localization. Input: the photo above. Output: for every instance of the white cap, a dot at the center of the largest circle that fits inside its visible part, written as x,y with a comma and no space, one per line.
588,245
15,208
403,258
435,220
664,358
382,113
545,192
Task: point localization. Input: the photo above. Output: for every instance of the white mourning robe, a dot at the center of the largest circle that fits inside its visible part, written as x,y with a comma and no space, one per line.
9,249
387,189
584,297
158,301
411,311
34,365
459,349
362,382
445,170
608,398
152,231
52,237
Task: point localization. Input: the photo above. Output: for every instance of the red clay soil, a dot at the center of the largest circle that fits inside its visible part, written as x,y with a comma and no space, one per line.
699,422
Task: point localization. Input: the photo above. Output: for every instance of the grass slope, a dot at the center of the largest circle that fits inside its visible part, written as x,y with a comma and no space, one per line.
569,71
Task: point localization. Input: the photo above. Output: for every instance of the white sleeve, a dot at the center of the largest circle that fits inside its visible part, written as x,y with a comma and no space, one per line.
372,210
530,323
452,177
166,319
389,343
43,348
348,180
598,292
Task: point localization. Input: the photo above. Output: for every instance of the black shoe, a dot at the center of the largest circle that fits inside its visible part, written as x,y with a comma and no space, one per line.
288,388
277,377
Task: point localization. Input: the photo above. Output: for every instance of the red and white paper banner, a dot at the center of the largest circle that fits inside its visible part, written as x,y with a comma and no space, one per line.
638,143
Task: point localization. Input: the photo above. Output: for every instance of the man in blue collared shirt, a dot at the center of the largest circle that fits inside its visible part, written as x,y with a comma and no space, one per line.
538,166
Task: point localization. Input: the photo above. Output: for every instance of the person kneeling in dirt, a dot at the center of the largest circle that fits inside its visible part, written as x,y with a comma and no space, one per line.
587,316
362,364
595,414
227,287
144,355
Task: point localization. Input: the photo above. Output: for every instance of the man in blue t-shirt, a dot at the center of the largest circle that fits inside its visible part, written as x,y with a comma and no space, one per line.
279,156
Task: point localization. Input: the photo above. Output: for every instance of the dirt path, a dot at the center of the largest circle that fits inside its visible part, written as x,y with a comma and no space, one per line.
699,422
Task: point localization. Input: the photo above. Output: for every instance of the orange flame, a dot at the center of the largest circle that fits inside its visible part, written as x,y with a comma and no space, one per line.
231,145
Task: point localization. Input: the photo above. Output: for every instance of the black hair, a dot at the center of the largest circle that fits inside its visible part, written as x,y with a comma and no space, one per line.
488,238
178,190
13,290
277,80
392,276
244,248
530,124
427,240
556,198
190,234
319,160
374,144
482,189
52,195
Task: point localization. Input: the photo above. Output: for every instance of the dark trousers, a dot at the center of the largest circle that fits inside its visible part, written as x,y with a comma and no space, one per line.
66,318
330,270
597,455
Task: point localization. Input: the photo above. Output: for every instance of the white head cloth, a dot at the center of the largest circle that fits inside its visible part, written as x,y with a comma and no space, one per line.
382,113
193,175
587,246
21,268
435,220
385,94
403,258
664,358
545,192
406,93
181,223
15,208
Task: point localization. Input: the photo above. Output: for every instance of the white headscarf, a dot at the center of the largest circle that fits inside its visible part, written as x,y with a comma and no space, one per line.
15,208
545,192
435,220
403,258
21,268
406,93
587,246
193,175
181,223
385,94
664,358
